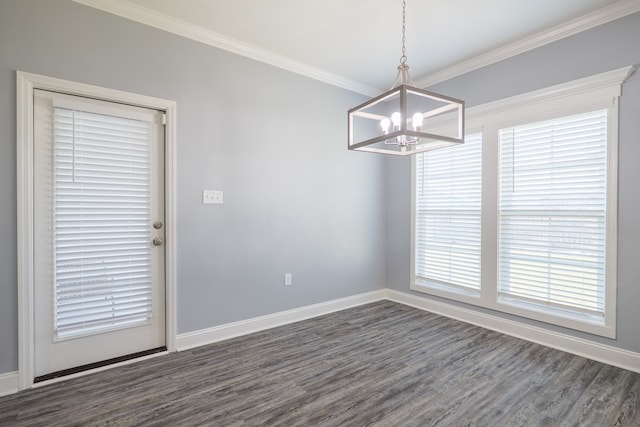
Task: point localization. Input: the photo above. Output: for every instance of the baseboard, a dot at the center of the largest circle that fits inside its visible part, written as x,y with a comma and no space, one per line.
8,383
602,353
591,350
248,326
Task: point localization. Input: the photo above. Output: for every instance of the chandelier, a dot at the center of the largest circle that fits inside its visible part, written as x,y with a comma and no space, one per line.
406,120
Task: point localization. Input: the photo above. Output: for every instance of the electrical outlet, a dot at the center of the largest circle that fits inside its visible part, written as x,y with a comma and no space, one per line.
212,197
288,279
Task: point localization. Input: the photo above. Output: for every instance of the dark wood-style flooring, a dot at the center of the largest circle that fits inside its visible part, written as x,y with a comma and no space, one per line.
380,364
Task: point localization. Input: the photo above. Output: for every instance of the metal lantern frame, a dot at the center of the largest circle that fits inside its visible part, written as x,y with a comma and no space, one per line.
393,106
421,140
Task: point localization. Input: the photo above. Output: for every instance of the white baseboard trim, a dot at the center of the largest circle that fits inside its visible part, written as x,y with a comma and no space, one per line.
248,326
591,350
599,352
8,383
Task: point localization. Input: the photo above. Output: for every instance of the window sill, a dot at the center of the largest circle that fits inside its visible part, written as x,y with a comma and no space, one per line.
468,296
591,324
594,325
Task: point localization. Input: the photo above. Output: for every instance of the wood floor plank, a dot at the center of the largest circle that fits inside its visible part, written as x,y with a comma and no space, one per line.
381,364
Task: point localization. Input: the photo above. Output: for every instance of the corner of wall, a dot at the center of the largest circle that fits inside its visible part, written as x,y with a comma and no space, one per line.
8,383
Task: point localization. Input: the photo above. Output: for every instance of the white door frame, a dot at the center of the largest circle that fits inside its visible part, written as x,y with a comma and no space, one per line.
25,84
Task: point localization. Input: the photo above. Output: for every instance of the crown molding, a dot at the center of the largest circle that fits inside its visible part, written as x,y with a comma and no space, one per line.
569,28
609,83
182,28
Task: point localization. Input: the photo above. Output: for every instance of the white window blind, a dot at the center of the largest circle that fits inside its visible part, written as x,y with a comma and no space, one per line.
552,205
101,210
448,215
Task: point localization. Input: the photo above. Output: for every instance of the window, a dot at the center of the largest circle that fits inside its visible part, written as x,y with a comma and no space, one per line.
101,217
448,215
522,218
552,212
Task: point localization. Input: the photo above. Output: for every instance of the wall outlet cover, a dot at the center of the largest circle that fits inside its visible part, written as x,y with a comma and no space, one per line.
212,197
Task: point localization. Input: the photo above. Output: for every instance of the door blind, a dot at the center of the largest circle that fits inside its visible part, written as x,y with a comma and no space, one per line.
448,214
552,212
101,216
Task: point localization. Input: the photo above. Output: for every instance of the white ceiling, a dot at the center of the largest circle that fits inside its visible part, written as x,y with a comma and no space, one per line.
357,43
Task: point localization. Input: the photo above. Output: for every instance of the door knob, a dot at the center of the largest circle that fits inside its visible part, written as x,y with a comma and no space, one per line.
157,241
157,225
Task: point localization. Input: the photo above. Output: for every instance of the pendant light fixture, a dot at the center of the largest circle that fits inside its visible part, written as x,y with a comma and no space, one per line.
406,120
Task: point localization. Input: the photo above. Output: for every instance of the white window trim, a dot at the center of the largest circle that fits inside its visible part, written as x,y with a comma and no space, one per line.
26,84
600,91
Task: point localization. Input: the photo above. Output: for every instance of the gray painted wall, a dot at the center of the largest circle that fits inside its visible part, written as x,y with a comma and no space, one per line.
295,199
608,47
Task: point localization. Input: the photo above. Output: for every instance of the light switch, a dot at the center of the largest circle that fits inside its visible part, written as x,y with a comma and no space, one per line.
212,197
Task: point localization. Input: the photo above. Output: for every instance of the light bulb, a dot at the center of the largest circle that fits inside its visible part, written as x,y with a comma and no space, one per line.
384,124
395,118
417,121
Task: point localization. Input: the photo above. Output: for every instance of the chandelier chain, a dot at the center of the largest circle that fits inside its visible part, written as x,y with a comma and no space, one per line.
403,58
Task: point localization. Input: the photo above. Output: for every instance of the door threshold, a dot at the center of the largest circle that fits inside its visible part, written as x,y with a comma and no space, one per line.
97,365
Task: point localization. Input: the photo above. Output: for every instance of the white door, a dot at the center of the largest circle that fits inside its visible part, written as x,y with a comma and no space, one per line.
99,230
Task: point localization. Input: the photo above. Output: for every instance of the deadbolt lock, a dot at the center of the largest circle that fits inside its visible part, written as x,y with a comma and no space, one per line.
157,241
